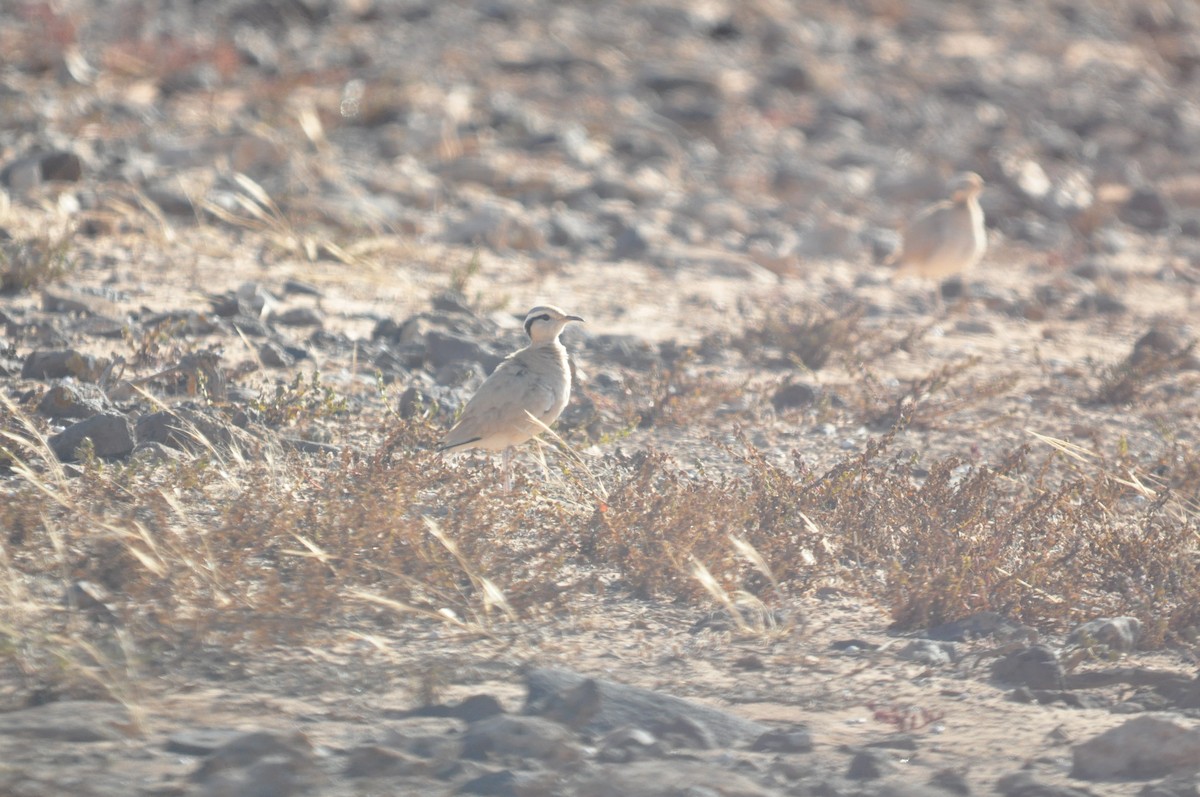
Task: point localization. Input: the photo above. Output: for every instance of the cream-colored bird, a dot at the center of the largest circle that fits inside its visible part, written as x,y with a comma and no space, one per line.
535,381
946,238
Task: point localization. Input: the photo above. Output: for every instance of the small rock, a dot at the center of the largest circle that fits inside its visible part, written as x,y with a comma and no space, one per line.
793,394
30,171
870,764
631,244
952,781
68,400
445,347
1118,634
275,356
607,705
793,739
111,435
246,749
1144,747
1036,666
69,721
300,288
573,229
184,429
929,652
63,363
1146,210
458,372
299,317
527,737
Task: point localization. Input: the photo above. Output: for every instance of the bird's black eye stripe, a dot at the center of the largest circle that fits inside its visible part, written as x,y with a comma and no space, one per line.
544,317
529,322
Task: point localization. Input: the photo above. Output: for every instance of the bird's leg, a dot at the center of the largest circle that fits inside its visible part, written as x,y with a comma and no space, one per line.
506,468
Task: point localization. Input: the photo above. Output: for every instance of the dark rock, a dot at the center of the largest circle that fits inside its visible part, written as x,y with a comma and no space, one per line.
627,351
184,429
451,302
793,394
30,171
454,374
551,693
630,245
70,721
573,229
299,317
301,288
246,749
274,356
63,363
870,764
445,347
68,400
1036,666
526,737
1147,210
1143,747
111,435
793,739
1116,634
951,781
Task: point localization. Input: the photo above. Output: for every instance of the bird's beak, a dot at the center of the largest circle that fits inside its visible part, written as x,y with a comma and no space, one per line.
573,318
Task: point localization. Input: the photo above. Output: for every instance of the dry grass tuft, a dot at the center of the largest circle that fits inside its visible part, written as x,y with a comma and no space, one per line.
806,336
34,262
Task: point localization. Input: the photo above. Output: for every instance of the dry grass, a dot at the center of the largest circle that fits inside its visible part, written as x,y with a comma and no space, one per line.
234,547
33,263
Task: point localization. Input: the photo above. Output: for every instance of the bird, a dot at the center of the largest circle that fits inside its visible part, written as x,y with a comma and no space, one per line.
531,383
946,238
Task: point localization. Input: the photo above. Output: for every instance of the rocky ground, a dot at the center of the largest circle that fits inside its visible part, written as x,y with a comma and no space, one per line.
256,254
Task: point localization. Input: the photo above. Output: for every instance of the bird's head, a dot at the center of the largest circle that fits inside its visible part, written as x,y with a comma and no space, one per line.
965,186
544,323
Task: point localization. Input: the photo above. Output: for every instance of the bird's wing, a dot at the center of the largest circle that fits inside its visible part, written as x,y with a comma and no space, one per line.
500,405
924,234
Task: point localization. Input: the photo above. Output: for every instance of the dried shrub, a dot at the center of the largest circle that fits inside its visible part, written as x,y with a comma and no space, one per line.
808,336
29,264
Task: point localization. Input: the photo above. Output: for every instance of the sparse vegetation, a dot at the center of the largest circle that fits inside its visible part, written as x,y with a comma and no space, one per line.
33,263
